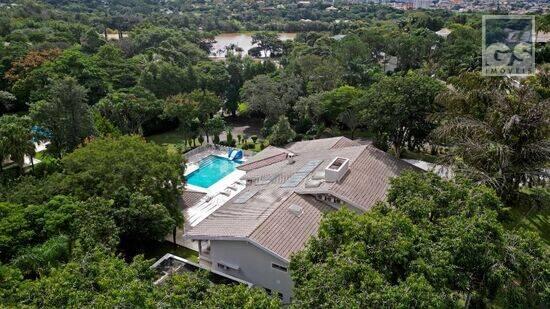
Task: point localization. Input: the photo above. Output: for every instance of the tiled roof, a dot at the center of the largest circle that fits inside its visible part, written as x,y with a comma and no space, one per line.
263,162
368,178
190,198
314,145
285,233
345,142
268,152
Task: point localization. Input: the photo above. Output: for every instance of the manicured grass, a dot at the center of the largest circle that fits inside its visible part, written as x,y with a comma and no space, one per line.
159,249
174,137
525,216
154,250
419,156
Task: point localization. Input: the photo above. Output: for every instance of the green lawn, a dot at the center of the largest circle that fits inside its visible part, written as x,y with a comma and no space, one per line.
159,249
174,137
536,219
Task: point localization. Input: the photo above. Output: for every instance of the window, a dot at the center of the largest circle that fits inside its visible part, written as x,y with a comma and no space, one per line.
221,266
279,267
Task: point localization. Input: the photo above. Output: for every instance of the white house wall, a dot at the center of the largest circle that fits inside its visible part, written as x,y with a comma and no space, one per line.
254,265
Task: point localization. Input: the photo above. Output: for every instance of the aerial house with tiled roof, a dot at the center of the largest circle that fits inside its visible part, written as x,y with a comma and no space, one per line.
286,192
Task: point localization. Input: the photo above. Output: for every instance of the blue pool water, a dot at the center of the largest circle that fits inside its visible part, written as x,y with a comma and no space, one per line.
211,170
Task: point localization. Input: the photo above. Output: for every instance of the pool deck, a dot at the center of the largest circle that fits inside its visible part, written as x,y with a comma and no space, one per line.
207,200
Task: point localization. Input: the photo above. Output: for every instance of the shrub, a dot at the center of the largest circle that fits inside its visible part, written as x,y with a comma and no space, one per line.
201,139
282,133
254,138
229,137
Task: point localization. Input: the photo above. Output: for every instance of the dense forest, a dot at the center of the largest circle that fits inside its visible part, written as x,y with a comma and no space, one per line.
99,79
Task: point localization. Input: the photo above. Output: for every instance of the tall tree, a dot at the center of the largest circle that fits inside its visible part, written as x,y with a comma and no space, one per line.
7,101
110,167
351,119
268,42
262,95
431,244
128,109
503,140
399,107
65,114
281,133
165,79
16,139
185,110
214,126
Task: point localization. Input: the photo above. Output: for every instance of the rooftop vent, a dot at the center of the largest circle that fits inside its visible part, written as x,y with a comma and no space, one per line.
295,210
290,157
336,169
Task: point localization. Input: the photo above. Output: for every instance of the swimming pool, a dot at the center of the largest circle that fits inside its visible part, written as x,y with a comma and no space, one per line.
211,170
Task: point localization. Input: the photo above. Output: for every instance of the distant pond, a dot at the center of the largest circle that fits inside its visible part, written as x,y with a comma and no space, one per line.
241,41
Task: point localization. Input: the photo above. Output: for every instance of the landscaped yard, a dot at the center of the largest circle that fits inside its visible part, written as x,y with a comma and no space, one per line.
532,219
157,249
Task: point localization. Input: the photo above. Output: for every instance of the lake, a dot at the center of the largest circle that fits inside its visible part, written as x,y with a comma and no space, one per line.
242,40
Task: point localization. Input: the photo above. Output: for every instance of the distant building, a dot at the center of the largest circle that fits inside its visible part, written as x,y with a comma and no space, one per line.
423,4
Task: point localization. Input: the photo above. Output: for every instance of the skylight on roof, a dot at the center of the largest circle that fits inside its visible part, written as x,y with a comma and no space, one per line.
301,174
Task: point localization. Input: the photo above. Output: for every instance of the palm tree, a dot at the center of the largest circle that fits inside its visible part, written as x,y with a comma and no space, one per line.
17,139
350,119
505,146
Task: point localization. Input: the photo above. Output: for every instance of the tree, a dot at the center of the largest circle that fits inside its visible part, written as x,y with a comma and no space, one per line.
318,73
268,42
414,49
120,72
65,114
185,110
16,140
186,290
357,60
460,52
7,101
310,107
208,103
33,59
106,167
128,109
98,278
350,119
337,101
282,132
214,126
91,41
212,76
164,79
399,107
236,81
262,95
433,243
71,63
502,140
